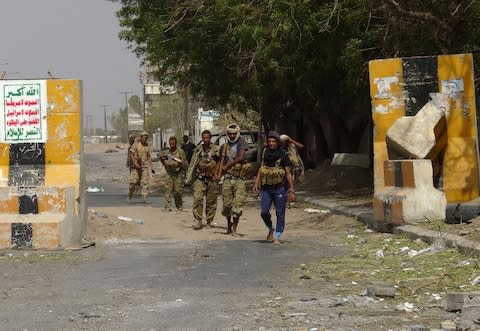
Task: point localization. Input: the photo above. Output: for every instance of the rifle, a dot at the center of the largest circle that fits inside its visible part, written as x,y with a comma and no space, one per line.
192,167
168,156
222,160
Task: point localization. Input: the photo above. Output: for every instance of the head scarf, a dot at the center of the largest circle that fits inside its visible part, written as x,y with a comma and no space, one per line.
233,128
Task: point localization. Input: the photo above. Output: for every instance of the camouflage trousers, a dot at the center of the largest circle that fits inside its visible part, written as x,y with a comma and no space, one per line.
174,189
234,196
208,189
139,175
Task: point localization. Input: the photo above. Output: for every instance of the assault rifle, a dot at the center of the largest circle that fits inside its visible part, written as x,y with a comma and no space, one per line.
168,156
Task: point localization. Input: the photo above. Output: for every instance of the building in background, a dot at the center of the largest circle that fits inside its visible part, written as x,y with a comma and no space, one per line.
205,121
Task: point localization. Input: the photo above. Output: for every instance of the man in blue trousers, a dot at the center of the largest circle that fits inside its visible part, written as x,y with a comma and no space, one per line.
274,183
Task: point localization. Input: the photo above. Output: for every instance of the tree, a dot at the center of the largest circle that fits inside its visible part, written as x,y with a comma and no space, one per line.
301,64
119,122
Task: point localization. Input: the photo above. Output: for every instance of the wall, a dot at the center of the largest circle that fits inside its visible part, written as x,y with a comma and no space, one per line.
402,86
41,179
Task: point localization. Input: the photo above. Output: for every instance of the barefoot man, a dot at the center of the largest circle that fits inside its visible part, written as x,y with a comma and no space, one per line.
273,181
232,162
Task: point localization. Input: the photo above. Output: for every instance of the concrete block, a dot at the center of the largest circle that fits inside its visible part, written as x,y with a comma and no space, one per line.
42,199
36,231
53,226
454,302
448,325
408,173
381,291
422,136
470,314
351,159
46,235
399,205
410,195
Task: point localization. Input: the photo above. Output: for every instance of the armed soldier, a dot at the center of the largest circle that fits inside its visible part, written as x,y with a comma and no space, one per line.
233,168
175,163
201,173
134,178
141,153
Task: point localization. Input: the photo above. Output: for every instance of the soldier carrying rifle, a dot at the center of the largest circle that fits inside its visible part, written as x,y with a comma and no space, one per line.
175,163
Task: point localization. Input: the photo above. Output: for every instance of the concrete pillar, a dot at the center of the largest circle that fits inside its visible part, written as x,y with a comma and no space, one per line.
408,194
42,199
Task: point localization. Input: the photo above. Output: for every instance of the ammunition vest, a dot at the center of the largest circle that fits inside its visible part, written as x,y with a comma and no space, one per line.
206,164
271,175
239,170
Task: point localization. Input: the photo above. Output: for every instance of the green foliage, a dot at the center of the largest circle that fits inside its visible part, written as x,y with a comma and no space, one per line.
291,59
165,112
119,122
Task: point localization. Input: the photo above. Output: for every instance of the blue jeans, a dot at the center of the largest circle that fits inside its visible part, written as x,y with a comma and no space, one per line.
278,197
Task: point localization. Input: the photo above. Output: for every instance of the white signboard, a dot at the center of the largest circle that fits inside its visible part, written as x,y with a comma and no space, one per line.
135,122
23,111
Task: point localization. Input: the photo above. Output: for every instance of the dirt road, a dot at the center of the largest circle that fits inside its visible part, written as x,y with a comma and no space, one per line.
151,271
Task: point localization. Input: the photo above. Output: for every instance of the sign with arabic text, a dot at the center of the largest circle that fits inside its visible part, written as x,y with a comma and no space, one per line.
23,111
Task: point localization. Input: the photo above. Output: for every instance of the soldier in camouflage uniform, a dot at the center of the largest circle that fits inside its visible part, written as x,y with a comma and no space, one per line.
141,154
175,163
201,173
232,162
134,178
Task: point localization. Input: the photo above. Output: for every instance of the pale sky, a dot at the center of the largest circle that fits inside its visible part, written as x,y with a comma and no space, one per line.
73,39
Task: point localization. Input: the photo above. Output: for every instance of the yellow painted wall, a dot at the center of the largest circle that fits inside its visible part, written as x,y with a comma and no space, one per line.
460,167
386,109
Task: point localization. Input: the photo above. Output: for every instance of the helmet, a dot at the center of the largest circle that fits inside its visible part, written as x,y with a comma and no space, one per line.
144,133
233,128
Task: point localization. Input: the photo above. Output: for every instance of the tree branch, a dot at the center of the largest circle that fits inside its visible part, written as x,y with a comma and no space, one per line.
419,15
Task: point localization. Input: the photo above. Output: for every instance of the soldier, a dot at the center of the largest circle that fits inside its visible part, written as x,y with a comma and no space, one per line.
188,147
201,172
134,175
273,179
232,167
291,147
175,163
141,154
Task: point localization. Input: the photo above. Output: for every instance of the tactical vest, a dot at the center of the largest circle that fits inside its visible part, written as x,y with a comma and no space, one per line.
142,154
239,170
271,175
172,165
206,164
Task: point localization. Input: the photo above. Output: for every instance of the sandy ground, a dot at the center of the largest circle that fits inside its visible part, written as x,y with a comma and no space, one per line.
106,164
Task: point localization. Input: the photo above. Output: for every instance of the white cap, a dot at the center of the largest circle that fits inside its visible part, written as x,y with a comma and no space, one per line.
284,138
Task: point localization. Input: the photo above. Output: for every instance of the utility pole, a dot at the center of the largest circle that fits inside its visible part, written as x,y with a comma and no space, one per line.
105,121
